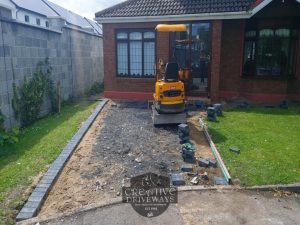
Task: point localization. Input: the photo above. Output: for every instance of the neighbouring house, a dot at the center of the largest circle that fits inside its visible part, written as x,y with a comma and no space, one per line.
245,48
33,30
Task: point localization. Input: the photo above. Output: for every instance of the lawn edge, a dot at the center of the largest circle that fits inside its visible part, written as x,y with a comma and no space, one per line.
40,193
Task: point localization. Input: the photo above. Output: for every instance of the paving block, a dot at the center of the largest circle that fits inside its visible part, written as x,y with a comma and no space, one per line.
177,179
220,181
235,150
212,163
200,104
187,153
189,160
203,163
183,142
211,114
24,216
269,106
184,138
187,168
284,105
184,128
219,109
183,134
243,105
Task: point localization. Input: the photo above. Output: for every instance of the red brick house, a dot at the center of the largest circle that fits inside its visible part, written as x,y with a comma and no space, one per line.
242,48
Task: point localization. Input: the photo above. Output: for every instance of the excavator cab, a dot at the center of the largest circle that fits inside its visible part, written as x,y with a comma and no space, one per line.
169,96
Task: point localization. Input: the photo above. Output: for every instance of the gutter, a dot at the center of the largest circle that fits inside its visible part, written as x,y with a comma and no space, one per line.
183,17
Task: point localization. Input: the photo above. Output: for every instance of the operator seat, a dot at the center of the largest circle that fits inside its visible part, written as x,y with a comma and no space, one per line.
171,73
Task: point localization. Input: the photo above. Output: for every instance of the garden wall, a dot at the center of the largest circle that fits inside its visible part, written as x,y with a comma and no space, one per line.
75,55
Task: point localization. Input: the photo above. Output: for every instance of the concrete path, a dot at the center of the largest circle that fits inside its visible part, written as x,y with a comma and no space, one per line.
198,207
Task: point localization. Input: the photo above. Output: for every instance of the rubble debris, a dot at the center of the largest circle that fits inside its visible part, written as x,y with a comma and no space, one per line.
220,181
187,168
203,176
203,163
195,181
235,150
138,160
177,179
211,114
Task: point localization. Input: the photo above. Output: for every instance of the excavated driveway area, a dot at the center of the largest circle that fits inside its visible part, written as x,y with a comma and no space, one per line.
121,144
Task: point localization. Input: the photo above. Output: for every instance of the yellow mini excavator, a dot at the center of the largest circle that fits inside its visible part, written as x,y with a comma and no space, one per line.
169,96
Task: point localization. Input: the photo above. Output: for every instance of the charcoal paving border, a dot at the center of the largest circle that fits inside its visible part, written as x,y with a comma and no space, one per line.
39,194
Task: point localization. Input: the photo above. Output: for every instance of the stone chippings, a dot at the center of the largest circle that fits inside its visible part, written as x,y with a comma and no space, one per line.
35,201
129,145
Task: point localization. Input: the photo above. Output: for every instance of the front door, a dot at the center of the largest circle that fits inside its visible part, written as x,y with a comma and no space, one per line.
192,51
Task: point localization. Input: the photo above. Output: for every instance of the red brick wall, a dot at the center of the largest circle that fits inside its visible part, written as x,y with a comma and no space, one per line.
231,81
112,83
215,59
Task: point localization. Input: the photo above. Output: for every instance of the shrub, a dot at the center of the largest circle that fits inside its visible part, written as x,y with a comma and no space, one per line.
7,137
28,98
96,88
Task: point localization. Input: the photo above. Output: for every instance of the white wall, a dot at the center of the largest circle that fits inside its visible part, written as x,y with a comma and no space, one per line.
32,17
7,4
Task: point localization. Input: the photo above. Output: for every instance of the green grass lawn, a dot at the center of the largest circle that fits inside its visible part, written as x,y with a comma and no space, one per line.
269,140
38,147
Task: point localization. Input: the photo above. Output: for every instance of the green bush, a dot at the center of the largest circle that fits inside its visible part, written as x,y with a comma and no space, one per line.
96,88
28,99
7,137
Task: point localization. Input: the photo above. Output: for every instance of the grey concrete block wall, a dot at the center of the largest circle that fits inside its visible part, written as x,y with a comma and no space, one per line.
75,56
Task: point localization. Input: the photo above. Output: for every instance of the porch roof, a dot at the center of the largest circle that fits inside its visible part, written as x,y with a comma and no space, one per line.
180,10
132,8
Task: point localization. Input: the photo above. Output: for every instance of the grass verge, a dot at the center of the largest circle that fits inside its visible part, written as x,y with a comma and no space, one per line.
269,143
38,147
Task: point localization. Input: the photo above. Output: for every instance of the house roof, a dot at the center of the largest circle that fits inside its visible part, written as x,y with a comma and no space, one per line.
36,6
97,27
70,17
136,8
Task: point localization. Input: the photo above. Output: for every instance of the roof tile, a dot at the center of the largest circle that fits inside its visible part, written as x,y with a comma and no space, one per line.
132,8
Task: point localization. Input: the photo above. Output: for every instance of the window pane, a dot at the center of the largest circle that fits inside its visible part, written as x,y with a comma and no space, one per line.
292,60
122,59
149,58
266,33
249,58
282,33
122,35
280,52
136,58
135,36
149,35
250,34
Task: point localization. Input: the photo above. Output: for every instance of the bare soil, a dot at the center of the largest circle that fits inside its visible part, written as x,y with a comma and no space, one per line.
122,143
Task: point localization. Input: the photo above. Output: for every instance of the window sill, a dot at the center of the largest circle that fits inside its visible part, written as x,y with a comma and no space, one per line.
135,78
268,77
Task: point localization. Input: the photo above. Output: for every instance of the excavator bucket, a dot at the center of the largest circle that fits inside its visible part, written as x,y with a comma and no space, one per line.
171,28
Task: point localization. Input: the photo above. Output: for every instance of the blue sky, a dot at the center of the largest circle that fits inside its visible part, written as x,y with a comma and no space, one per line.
86,8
